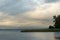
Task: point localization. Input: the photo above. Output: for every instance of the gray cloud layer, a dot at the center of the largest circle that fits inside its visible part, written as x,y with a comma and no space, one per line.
22,13
49,1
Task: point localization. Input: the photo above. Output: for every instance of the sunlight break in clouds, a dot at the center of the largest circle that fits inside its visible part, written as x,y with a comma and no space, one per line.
28,13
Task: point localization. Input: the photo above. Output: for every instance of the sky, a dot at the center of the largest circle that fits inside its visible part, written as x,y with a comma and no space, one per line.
28,13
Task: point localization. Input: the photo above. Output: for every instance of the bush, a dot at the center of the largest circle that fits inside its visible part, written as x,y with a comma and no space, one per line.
51,27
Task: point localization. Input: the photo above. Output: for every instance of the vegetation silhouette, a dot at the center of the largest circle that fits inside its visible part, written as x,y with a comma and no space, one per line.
54,28
56,22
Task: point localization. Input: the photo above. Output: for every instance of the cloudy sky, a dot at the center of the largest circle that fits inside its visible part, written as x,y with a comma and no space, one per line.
28,13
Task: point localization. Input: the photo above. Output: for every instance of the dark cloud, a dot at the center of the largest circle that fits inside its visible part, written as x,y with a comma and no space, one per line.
16,6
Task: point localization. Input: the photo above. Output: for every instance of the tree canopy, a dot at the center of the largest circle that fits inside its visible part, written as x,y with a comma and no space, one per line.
56,22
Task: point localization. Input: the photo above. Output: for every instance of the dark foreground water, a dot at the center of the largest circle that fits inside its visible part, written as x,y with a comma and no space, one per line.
17,35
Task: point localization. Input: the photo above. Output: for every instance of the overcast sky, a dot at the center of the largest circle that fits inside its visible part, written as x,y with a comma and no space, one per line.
28,13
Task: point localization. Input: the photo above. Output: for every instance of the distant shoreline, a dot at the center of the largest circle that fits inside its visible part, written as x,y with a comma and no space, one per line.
42,30
9,29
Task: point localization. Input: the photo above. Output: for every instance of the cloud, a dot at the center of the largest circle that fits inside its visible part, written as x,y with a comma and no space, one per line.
42,11
49,1
29,13
42,15
14,6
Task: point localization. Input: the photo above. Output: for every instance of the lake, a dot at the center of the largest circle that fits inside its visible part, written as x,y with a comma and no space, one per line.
17,35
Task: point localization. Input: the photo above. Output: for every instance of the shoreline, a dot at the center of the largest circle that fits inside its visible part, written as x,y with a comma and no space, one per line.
42,30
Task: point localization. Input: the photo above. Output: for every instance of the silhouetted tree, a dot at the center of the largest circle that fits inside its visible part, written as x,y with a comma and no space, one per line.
56,22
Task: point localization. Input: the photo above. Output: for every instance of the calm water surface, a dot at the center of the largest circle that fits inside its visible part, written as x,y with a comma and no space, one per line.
17,35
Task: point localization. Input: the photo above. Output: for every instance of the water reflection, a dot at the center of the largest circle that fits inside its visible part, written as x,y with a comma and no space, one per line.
57,35
14,35
43,36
